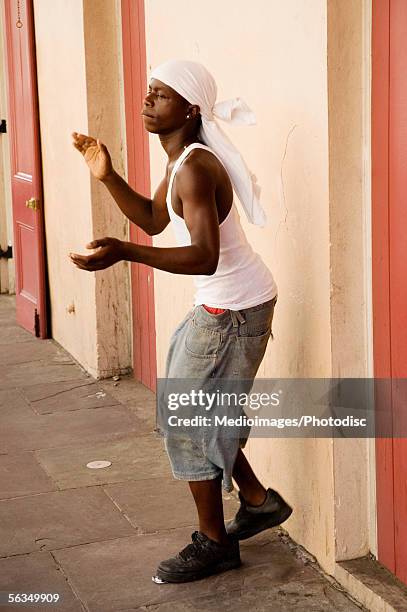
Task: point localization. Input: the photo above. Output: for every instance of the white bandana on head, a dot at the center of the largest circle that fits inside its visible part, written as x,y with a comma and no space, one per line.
194,83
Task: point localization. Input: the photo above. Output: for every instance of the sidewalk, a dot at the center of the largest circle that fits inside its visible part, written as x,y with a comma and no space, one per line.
95,536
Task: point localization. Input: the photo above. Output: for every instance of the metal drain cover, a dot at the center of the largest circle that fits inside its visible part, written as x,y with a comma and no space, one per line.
97,465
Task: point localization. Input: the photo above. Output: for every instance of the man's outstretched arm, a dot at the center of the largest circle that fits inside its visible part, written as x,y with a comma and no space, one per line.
149,214
178,260
196,189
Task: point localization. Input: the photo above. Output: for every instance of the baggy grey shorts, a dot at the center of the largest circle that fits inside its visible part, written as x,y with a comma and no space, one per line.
204,347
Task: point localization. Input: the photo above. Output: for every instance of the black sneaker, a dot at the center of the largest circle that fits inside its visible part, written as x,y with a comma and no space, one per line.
250,520
200,559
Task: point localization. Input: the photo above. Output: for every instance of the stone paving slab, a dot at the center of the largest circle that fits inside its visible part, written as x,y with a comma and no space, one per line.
266,565
306,594
47,352
145,413
15,334
11,399
390,591
49,521
39,371
159,504
67,396
37,573
7,313
23,430
44,391
21,474
8,302
133,457
128,391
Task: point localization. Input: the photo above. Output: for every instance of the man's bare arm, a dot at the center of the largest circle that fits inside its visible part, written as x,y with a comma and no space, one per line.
196,188
149,214
178,260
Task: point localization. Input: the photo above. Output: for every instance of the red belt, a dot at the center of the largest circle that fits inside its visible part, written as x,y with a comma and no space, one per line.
214,310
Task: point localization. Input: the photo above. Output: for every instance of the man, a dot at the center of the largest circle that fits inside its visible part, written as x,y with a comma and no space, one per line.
226,333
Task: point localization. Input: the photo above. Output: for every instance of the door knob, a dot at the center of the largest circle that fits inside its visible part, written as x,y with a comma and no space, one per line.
33,203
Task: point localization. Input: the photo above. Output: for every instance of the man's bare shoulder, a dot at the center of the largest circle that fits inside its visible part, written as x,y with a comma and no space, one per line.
202,165
203,178
202,158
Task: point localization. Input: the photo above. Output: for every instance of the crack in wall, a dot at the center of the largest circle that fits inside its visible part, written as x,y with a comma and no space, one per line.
281,169
282,183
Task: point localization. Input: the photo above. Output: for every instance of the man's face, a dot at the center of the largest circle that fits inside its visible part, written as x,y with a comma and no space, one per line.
164,110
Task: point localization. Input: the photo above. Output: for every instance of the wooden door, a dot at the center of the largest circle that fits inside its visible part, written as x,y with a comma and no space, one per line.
389,235
135,81
27,200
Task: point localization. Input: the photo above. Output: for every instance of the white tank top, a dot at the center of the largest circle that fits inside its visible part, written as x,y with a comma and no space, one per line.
241,279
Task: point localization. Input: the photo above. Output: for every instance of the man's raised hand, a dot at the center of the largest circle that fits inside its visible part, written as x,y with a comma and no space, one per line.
96,155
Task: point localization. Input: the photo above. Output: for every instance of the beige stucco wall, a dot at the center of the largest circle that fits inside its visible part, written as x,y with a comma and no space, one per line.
278,64
79,81
350,268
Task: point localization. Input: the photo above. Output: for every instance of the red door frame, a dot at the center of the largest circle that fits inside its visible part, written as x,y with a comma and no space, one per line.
142,277
381,263
389,250
26,169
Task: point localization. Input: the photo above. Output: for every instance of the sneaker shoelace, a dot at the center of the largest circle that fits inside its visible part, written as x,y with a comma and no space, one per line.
194,549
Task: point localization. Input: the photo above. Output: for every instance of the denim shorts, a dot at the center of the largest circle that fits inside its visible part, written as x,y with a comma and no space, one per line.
204,347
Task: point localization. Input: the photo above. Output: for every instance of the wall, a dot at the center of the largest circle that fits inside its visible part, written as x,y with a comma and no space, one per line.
104,75
350,263
301,67
79,68
282,75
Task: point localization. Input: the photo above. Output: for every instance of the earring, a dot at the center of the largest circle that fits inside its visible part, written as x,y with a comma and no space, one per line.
187,116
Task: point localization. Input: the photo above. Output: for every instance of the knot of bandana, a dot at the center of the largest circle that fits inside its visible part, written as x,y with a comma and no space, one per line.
234,111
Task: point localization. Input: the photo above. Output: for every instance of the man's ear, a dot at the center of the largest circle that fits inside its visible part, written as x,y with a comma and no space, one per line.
193,110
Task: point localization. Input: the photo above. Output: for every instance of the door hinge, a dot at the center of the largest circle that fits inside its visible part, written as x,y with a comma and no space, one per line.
37,323
7,254
3,126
